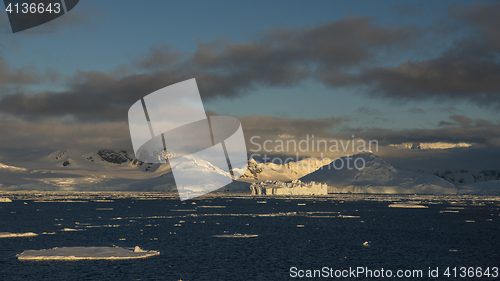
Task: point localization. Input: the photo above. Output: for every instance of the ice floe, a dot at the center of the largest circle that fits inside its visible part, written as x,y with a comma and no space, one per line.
408,205
71,229
87,253
236,235
5,199
8,234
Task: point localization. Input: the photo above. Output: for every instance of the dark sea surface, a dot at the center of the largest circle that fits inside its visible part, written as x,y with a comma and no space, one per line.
453,231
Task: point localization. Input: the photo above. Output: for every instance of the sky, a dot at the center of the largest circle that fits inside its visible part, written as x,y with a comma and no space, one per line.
394,71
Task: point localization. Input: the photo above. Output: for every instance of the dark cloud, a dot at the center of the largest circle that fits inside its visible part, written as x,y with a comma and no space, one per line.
18,76
279,58
468,70
338,54
55,134
468,158
271,127
458,129
344,43
476,80
483,19
461,129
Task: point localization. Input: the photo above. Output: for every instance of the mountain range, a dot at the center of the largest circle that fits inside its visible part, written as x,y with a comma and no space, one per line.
119,170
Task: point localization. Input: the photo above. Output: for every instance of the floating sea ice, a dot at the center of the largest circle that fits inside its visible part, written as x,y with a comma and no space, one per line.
5,199
71,229
9,235
236,235
87,253
409,206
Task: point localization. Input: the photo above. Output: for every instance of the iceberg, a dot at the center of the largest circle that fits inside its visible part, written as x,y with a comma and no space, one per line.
295,187
87,253
5,199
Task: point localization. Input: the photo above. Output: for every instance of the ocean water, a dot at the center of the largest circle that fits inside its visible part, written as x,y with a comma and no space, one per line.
306,233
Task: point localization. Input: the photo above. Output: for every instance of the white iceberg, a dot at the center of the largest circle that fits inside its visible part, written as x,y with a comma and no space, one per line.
5,199
295,187
9,235
87,253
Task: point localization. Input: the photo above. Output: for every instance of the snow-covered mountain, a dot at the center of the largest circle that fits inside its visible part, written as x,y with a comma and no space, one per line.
112,159
258,172
119,170
377,176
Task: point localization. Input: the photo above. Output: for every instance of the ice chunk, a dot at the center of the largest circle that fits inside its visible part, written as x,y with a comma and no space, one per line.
70,229
348,217
138,249
407,205
5,199
8,234
236,235
87,253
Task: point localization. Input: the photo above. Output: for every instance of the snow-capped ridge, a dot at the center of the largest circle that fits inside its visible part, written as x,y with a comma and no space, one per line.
287,172
377,176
